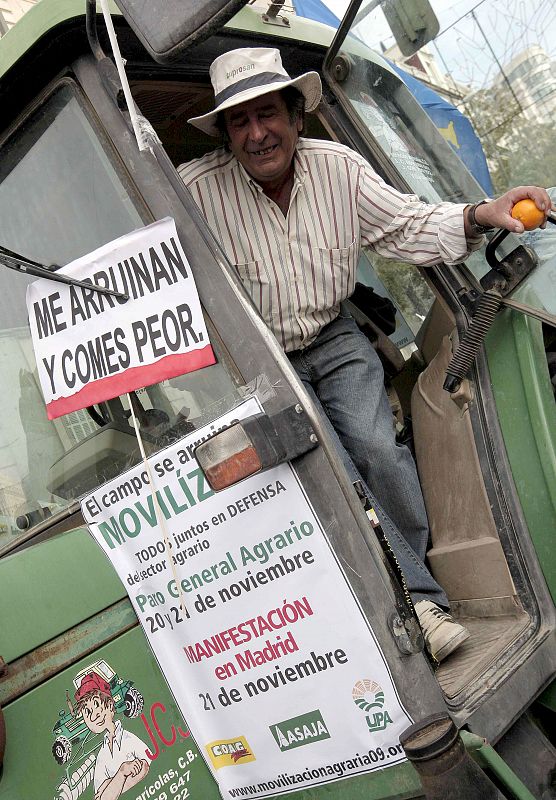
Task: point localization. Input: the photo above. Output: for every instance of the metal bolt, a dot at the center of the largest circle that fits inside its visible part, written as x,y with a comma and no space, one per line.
313,438
298,409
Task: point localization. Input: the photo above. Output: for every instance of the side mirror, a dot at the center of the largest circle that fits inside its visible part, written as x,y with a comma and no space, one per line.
413,23
253,445
167,27
94,460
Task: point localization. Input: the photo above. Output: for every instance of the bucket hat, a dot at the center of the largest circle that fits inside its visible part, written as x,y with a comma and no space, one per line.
250,72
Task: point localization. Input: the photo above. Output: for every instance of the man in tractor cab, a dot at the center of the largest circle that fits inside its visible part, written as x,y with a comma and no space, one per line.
292,214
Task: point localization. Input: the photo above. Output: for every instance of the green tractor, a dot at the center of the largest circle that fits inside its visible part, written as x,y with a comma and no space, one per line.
73,178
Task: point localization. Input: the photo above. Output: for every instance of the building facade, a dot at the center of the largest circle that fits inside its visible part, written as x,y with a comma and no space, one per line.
532,80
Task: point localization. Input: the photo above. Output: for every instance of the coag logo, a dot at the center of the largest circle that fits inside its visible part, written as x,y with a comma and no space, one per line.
228,752
369,697
297,731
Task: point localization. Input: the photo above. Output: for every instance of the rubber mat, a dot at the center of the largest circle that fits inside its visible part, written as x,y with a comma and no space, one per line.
489,637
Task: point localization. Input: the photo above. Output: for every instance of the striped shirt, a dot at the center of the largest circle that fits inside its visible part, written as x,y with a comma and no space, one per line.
298,268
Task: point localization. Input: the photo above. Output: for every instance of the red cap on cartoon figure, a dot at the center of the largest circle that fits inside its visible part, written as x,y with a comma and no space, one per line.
91,683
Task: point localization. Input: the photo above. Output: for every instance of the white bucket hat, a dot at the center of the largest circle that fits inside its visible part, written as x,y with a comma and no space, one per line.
249,72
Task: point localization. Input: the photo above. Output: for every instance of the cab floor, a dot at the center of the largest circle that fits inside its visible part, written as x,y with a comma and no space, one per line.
489,637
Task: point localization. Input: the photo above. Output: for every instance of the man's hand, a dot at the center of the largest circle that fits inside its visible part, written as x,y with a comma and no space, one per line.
129,774
131,768
498,213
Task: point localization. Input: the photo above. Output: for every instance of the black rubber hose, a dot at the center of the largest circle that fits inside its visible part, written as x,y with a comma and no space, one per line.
472,339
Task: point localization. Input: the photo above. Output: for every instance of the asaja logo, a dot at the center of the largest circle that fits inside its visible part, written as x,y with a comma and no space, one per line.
228,752
369,697
297,731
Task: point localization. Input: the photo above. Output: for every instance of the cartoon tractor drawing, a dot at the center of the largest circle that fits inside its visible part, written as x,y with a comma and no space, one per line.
74,744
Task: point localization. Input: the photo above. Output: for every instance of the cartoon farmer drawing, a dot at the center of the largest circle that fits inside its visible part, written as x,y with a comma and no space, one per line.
120,762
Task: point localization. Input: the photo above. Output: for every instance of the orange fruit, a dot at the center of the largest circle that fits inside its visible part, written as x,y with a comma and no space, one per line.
527,212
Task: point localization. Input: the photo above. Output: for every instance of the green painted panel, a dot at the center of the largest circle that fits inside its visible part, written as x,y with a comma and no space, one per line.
43,662
37,21
396,783
527,415
548,697
50,587
41,18
48,14
67,583
32,772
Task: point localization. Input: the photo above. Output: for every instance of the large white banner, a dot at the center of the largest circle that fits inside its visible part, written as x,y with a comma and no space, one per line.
273,664
91,347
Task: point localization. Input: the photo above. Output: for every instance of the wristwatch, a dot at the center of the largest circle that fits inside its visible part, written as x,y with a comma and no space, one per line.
477,229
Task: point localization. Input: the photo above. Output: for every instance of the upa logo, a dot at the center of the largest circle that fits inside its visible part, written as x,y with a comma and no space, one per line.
229,752
297,731
369,697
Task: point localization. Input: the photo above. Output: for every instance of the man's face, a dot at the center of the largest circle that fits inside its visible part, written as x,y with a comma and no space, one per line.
262,137
96,714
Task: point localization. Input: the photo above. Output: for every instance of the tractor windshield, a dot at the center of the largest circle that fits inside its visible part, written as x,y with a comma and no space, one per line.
63,192
375,95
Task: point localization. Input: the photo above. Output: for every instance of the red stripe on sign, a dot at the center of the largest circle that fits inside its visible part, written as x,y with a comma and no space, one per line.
134,378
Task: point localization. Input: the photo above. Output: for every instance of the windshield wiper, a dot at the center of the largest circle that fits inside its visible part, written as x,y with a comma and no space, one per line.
21,264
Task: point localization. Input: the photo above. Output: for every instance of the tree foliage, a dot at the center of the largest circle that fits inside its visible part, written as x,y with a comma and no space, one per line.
519,151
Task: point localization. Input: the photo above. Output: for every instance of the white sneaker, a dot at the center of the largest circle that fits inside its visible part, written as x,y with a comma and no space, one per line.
441,632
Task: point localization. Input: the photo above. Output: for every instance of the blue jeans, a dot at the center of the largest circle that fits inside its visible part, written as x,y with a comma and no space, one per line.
344,377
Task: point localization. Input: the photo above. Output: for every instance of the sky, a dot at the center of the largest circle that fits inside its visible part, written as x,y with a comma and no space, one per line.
470,48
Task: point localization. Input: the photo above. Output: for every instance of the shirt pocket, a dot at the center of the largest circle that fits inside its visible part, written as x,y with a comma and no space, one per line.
333,274
255,276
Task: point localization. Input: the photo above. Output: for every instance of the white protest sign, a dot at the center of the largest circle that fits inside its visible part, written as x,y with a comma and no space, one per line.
91,347
273,664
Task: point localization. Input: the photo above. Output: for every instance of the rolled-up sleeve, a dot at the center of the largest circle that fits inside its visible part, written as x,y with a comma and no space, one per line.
403,227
